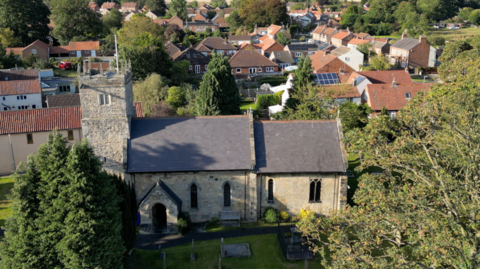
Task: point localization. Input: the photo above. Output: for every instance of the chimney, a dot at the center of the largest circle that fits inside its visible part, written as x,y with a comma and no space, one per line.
374,38
348,30
422,39
255,30
404,34
394,82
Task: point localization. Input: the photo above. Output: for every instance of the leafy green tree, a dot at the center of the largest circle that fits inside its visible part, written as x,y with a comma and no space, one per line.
465,13
156,5
460,60
382,10
179,8
298,6
28,19
113,19
306,103
180,72
74,19
422,211
436,9
234,21
303,74
150,91
217,33
176,97
474,17
193,4
379,62
218,93
21,247
282,39
263,12
92,224
403,10
219,3
354,115
8,38
366,49
138,25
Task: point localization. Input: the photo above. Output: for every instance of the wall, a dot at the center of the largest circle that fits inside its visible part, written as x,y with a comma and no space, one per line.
41,52
210,191
355,59
291,192
11,100
21,149
246,70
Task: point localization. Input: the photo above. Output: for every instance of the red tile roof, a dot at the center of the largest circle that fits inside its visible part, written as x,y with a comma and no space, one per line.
393,98
40,120
248,58
386,77
130,5
16,51
319,60
109,5
319,29
273,29
13,87
341,35
357,41
199,17
84,45
59,49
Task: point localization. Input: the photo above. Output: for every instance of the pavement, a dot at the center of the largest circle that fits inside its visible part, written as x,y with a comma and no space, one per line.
151,241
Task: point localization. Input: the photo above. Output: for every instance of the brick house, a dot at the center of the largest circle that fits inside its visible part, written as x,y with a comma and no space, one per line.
198,61
107,6
273,30
201,26
412,53
129,7
220,45
326,35
282,58
77,49
342,38
222,23
327,63
20,90
238,40
39,48
247,62
298,50
94,6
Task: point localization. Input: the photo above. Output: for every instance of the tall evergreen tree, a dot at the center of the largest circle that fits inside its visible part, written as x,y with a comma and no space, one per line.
128,208
92,224
74,20
218,93
20,247
179,8
28,19
303,74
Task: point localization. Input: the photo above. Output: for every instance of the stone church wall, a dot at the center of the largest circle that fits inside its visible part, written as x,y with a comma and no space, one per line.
291,193
210,191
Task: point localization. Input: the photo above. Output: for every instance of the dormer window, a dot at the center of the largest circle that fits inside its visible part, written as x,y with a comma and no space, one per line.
407,95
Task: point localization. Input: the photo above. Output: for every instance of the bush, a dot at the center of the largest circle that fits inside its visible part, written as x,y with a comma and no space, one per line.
214,220
271,215
279,94
176,97
266,100
305,213
182,224
284,216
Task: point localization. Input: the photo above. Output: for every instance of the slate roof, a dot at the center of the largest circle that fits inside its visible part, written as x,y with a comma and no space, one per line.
406,43
189,144
63,100
248,58
393,98
40,120
30,74
215,43
298,146
239,37
302,47
282,57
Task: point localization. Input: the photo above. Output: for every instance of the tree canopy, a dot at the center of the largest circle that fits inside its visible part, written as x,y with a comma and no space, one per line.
179,8
150,91
263,12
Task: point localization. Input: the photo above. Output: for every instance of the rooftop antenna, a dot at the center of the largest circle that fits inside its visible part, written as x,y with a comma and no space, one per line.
116,51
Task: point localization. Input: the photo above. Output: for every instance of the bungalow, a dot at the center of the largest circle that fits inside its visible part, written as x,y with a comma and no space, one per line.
250,62
327,63
218,44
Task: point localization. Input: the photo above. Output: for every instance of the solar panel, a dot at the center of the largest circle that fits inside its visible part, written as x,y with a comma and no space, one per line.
326,78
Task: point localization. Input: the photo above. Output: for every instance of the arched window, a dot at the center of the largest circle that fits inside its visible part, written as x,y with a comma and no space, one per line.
270,190
315,190
193,196
226,195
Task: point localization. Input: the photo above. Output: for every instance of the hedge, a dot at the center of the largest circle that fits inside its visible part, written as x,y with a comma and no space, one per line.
266,100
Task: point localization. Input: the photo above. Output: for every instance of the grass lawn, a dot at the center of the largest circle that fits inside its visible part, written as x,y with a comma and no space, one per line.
417,78
6,183
455,34
266,254
58,72
217,227
388,36
247,105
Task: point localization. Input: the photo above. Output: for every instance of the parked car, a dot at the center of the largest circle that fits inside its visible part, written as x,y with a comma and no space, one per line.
453,27
436,26
65,65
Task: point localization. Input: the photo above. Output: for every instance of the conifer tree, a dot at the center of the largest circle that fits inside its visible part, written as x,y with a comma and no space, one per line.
92,224
20,247
218,93
128,208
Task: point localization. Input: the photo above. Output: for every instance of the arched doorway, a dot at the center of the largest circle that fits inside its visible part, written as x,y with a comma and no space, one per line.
159,218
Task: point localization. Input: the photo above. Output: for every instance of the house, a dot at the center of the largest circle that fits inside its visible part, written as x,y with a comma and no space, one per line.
297,50
250,62
199,17
317,32
38,48
303,17
327,63
107,6
380,46
326,35
351,57
20,90
82,49
354,42
201,26
191,12
269,46
129,7
273,30
343,92
282,58
198,61
364,78
342,38
94,6
58,86
238,40
412,53
362,35
221,46
392,96
222,23
153,15
129,16
172,48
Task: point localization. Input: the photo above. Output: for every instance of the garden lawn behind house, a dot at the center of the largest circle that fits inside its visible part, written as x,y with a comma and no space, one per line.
6,184
247,105
462,33
273,81
266,254
58,72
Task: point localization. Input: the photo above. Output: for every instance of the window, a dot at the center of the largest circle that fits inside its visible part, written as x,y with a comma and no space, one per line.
347,59
24,97
206,67
315,190
392,114
193,196
64,88
407,95
104,99
269,69
404,64
394,51
34,51
29,139
34,106
197,69
70,135
404,54
226,195
3,98
270,191
239,70
188,55
298,54
204,53
194,55
190,68
252,70
259,69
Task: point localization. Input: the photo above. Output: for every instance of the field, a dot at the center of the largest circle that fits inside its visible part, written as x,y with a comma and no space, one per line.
266,254
6,184
463,33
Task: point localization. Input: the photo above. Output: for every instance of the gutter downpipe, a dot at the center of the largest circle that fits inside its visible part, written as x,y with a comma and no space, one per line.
11,150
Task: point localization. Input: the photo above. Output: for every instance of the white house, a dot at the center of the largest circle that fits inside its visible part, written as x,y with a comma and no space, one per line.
20,90
352,57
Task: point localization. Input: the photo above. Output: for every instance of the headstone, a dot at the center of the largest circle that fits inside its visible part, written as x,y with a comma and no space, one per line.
192,255
220,261
164,260
306,264
160,250
222,253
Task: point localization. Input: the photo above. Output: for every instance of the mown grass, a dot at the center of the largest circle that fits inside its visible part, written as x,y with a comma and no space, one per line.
416,78
217,227
265,249
6,184
58,72
462,33
247,105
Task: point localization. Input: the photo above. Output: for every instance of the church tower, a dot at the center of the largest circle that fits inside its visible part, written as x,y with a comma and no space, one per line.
107,108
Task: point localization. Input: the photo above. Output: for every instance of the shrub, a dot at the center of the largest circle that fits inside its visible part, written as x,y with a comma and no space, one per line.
279,94
266,100
305,213
271,215
176,97
214,220
182,224
284,216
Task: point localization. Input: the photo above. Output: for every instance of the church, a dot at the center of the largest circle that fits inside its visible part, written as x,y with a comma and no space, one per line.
226,167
